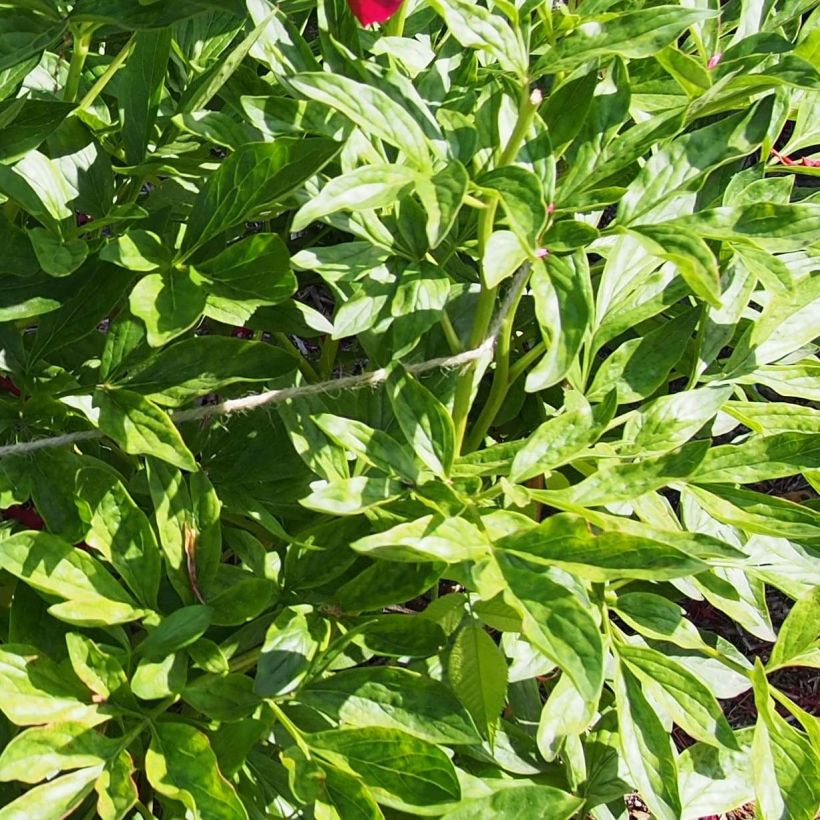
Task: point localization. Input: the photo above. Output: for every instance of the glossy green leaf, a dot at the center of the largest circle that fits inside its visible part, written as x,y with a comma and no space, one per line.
477,673
53,566
475,27
696,710
508,803
116,789
194,367
429,537
556,621
123,534
252,179
629,34
369,108
425,422
168,303
179,629
181,764
40,753
565,540
55,799
141,428
140,91
646,747
784,763
799,634
36,690
400,769
393,698
371,186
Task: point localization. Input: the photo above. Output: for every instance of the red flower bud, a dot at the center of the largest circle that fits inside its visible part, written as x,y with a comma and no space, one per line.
373,11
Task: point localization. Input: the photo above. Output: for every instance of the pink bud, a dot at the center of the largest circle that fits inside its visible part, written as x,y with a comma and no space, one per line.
714,60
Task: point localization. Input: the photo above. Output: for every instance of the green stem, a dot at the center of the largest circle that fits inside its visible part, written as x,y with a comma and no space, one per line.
526,360
327,360
395,25
290,728
81,46
527,107
304,365
453,342
500,384
112,69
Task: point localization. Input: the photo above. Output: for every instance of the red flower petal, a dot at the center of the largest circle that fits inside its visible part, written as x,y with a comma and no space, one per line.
373,11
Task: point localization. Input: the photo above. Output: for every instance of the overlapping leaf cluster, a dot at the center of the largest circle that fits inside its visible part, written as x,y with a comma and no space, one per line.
458,594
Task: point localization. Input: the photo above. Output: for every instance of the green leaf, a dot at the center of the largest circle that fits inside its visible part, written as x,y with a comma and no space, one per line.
140,90
123,534
141,428
713,778
401,636
557,440
556,622
563,307
690,254
37,183
53,800
41,752
759,458
116,789
775,226
35,690
222,697
670,421
423,419
374,446
659,618
565,540
687,159
503,255
646,748
477,673
442,196
176,631
370,186
351,496
26,123
290,645
565,714
381,583
631,34
690,703
623,481
371,109
57,257
254,271
180,764
172,506
522,200
204,364
251,180
393,698
784,763
430,537
475,27
401,770
97,667
165,678
758,512
168,303
511,802
137,250
798,634
53,566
